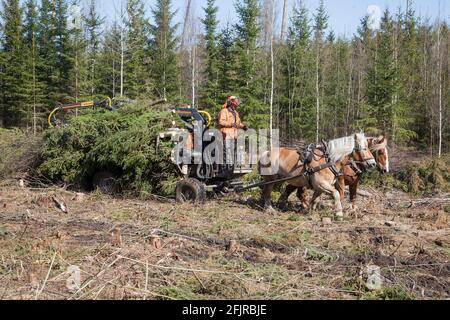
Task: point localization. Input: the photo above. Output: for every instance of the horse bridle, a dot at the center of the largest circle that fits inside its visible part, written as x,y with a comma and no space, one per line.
332,166
365,162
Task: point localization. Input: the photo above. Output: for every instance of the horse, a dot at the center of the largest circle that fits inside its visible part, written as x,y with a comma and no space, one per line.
351,177
319,172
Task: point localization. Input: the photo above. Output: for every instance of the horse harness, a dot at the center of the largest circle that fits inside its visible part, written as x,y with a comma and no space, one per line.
308,154
306,157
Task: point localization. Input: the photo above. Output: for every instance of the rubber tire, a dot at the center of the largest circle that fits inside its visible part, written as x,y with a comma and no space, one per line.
190,190
105,182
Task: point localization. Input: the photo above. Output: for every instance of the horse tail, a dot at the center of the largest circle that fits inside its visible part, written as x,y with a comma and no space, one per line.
261,166
265,164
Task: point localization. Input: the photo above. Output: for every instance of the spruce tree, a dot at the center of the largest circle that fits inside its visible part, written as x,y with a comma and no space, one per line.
79,77
320,21
320,25
298,79
137,82
363,46
64,60
335,91
13,93
56,52
250,62
248,29
210,93
2,93
299,32
47,51
33,87
387,111
164,43
228,67
108,70
409,63
93,24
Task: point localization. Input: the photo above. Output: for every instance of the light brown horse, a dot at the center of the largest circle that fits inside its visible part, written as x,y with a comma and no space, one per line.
352,175
285,162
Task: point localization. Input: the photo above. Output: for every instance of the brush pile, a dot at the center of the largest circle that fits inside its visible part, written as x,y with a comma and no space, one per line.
123,142
19,153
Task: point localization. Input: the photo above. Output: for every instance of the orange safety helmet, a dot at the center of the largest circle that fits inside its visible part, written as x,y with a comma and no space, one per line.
233,101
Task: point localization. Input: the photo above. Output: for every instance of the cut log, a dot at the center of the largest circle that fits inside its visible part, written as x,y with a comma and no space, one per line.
155,103
363,193
60,204
390,223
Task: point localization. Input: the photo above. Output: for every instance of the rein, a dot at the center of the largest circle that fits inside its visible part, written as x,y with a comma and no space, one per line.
308,171
353,164
328,165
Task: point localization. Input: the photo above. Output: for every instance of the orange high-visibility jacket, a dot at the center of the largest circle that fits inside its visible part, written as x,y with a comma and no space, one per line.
225,122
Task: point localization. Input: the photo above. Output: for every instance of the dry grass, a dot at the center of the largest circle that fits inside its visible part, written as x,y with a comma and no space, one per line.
281,256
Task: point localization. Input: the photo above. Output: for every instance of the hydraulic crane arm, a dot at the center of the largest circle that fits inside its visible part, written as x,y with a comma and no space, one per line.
107,104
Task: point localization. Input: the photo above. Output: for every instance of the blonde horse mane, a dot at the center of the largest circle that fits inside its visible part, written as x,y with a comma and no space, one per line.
342,147
378,146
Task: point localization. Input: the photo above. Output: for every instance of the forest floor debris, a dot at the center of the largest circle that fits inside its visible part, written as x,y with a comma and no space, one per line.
132,249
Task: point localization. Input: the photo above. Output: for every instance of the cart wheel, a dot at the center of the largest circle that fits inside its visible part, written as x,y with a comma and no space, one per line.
105,182
190,190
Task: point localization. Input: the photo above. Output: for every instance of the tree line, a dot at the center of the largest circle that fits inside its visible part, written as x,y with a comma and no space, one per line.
303,79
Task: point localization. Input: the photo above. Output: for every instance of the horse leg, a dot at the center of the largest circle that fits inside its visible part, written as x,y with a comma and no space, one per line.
315,199
266,198
353,194
328,188
282,202
340,186
338,205
302,196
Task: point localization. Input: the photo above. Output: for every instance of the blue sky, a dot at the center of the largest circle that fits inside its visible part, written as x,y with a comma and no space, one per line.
345,15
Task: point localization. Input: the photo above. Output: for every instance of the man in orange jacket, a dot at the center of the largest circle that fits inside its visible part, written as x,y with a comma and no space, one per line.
229,122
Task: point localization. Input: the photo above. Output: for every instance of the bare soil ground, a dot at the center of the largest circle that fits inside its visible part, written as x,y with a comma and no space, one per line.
284,255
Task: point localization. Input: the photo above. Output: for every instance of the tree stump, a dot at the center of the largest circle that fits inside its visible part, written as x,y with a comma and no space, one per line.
233,246
155,242
80,197
116,237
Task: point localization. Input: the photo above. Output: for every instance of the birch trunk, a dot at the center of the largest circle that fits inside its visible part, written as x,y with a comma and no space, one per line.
317,96
440,88
122,52
34,86
193,53
186,21
283,21
272,67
